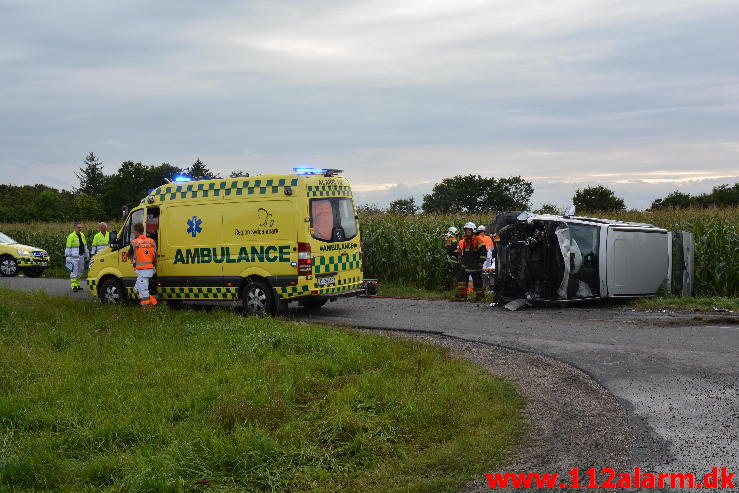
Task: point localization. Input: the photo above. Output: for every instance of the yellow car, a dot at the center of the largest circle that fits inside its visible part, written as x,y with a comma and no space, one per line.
15,258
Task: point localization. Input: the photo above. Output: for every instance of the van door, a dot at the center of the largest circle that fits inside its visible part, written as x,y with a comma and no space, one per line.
191,240
125,265
638,261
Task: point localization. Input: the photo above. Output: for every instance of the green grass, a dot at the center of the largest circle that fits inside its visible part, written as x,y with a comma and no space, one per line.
110,398
705,303
399,291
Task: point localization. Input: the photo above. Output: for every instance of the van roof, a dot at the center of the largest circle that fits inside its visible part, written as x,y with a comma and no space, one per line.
259,185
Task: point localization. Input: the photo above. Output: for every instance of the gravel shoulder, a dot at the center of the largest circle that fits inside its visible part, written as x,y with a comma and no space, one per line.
572,420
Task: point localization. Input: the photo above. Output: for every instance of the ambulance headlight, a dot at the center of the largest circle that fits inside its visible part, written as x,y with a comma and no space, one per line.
25,253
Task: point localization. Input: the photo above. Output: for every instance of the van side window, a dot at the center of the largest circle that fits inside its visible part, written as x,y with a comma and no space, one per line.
137,216
333,219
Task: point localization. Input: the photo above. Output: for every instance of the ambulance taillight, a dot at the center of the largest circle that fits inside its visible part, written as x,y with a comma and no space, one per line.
305,264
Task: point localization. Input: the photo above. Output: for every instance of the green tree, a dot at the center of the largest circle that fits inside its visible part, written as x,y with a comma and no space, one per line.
405,207
164,173
598,198
86,207
91,177
548,209
674,199
127,187
475,194
199,170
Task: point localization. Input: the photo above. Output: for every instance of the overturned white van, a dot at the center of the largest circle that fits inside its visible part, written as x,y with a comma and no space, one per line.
542,257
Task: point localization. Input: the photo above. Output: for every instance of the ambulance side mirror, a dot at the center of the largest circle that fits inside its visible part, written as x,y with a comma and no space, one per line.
113,238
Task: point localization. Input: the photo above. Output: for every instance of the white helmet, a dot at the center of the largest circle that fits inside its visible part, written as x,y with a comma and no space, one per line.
452,230
481,228
469,225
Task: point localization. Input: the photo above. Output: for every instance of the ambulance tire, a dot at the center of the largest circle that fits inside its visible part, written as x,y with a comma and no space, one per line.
8,266
257,299
111,291
313,302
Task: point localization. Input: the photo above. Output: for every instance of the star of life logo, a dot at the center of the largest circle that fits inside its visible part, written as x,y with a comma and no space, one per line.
194,226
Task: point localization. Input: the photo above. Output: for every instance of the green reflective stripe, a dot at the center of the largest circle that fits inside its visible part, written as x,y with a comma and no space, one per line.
324,265
329,191
221,188
198,293
292,291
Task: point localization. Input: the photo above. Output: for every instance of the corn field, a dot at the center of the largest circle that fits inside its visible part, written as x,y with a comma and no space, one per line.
408,249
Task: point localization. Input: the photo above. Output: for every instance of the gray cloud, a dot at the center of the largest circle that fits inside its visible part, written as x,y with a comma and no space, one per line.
399,94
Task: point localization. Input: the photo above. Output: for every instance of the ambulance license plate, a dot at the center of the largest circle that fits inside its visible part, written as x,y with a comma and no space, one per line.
326,281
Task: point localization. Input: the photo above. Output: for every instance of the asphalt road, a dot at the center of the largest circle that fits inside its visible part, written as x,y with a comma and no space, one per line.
676,373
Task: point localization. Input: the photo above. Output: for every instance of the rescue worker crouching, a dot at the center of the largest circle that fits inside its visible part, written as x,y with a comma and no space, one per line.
75,254
143,251
101,239
472,252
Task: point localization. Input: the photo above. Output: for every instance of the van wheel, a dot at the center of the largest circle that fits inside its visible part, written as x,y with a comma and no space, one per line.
257,299
8,266
111,291
313,302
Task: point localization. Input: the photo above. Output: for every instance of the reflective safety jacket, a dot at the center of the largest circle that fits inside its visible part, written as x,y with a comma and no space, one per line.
487,240
450,246
144,252
472,252
100,241
72,248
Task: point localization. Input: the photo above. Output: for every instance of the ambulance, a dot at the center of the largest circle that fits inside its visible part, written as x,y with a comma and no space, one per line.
264,241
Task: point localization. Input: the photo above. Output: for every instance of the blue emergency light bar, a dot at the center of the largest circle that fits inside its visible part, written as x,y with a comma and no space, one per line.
182,179
317,171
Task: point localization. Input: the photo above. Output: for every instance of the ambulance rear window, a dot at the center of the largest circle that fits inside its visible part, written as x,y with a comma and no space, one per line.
332,219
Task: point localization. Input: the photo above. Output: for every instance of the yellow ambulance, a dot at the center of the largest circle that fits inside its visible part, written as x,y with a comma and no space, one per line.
265,241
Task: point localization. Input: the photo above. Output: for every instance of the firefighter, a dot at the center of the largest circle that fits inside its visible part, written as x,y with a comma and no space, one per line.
472,252
143,251
450,247
487,267
75,254
101,239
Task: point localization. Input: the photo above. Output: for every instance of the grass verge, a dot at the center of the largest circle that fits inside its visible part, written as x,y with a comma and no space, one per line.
703,303
109,398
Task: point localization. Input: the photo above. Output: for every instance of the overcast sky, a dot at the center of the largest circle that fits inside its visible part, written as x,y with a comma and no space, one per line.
641,96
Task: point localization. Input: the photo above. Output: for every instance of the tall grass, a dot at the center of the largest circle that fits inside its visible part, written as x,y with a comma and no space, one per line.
109,398
408,249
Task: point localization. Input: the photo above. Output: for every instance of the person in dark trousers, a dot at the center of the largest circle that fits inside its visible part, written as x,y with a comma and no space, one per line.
452,261
472,253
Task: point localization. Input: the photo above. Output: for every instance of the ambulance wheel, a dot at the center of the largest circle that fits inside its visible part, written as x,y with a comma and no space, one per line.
111,291
8,266
313,302
257,299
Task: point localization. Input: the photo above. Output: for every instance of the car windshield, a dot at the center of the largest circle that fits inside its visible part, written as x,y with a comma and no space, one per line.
7,240
333,219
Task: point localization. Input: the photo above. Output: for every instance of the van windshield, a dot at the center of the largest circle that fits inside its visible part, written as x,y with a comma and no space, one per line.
333,219
6,240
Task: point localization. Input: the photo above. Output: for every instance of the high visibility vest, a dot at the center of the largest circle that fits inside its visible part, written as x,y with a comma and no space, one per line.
100,241
73,244
145,251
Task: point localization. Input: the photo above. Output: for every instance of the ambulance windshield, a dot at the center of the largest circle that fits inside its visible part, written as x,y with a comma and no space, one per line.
332,219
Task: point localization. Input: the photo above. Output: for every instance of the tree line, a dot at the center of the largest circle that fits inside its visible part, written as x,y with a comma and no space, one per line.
475,194
101,196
